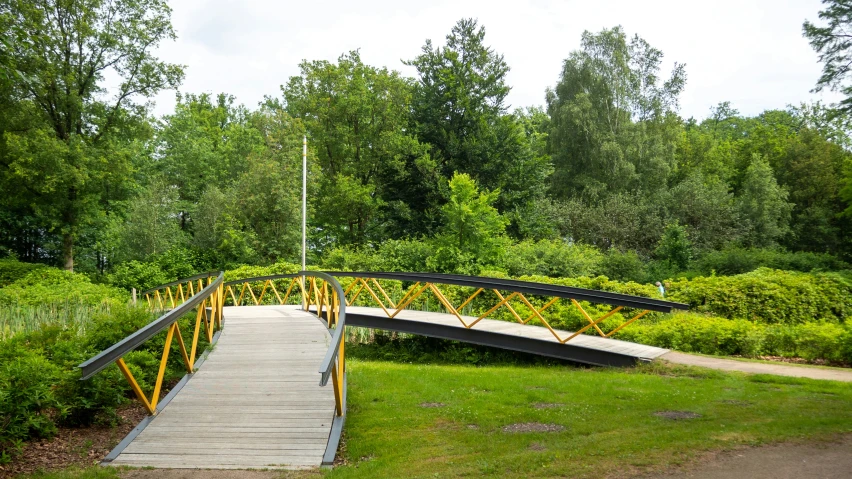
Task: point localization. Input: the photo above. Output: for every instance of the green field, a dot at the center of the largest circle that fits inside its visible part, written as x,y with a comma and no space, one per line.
431,420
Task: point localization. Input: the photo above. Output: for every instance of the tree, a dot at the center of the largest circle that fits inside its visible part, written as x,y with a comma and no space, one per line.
204,142
69,147
268,192
705,205
470,223
763,205
151,227
674,246
613,126
833,42
357,118
459,110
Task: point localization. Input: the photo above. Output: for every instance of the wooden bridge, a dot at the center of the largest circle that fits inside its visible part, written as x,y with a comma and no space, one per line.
256,401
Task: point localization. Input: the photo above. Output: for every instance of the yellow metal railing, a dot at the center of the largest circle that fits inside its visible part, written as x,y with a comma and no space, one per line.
207,301
168,296
491,295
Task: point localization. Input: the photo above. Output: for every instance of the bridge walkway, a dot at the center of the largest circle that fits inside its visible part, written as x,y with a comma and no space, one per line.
255,402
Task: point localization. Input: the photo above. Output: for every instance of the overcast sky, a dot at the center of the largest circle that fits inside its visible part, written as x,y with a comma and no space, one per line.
750,53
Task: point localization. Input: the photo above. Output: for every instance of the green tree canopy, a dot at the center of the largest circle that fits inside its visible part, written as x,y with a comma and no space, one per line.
763,205
68,145
357,118
832,40
613,126
470,223
459,109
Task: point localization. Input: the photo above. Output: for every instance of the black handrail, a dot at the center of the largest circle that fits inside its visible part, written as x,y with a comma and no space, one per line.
524,287
119,349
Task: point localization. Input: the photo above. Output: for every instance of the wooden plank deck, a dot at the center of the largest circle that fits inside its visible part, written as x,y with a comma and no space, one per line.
254,403
539,333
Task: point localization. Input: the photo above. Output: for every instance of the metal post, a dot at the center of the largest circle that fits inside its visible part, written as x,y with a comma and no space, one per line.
304,212
304,196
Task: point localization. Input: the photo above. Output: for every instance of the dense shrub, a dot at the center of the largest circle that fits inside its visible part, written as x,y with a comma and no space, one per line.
27,398
623,266
246,271
736,260
51,285
12,270
769,296
345,258
404,255
139,275
690,332
39,381
551,258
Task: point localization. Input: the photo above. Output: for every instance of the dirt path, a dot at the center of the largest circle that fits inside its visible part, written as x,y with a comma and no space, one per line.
834,374
820,460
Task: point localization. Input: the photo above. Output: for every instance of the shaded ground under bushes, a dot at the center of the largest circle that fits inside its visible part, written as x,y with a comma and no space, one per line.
74,446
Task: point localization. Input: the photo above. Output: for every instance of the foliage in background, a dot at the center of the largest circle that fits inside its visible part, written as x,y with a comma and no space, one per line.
50,286
68,148
696,333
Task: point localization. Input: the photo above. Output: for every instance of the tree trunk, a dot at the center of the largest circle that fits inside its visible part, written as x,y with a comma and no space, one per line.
68,251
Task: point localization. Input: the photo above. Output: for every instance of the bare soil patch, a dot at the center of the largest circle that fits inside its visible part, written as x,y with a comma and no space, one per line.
533,427
547,405
432,404
677,415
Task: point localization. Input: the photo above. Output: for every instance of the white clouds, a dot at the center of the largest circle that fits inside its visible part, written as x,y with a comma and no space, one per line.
749,53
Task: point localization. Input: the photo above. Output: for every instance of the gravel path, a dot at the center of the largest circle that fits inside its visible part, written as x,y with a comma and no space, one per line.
820,460
834,374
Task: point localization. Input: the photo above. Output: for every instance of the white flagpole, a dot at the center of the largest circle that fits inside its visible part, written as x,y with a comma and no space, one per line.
304,214
304,197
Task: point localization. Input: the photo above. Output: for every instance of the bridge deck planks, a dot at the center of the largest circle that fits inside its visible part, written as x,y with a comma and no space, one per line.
254,403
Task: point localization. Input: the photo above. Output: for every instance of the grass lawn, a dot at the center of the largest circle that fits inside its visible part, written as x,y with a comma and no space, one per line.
608,417
428,420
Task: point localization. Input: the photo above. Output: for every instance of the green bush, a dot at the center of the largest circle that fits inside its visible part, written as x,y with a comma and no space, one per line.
691,332
247,271
139,275
403,255
346,258
737,260
768,296
12,270
695,333
551,258
27,398
623,266
51,285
